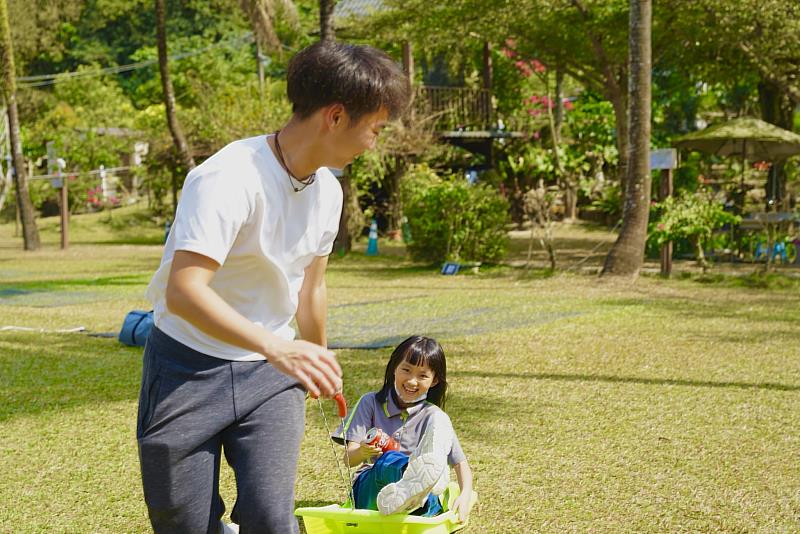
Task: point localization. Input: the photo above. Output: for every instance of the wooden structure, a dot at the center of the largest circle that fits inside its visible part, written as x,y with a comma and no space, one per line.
462,116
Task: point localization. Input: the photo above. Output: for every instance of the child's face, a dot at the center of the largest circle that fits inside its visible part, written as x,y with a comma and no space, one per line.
412,381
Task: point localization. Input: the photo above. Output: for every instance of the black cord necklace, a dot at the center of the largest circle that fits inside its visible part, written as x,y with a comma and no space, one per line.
308,180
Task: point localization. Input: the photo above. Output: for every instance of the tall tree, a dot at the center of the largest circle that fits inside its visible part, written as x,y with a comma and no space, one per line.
583,39
181,145
769,46
264,16
30,232
344,241
326,23
627,254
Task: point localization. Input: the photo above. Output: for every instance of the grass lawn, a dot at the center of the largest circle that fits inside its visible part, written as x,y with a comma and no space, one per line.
582,405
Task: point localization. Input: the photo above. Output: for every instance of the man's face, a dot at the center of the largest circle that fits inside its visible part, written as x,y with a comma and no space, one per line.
351,140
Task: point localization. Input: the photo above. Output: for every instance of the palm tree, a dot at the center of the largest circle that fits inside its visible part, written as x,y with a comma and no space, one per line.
181,145
30,232
627,255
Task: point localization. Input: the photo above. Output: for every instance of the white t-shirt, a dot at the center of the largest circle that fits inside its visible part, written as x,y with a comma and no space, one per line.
239,208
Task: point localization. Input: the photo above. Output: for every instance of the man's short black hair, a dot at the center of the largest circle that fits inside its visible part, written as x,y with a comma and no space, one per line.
361,78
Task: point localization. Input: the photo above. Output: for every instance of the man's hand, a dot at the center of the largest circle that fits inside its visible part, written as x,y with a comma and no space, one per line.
315,367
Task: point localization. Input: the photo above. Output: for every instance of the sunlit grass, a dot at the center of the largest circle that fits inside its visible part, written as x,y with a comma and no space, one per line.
583,405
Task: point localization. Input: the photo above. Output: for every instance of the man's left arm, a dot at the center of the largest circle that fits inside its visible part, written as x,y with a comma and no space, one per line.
312,305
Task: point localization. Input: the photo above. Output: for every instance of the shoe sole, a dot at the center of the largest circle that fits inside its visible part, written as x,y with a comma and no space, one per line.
426,469
408,494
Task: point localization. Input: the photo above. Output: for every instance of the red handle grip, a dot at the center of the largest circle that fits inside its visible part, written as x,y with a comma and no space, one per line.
341,403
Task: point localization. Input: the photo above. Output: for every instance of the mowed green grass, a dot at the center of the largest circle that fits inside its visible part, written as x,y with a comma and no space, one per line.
587,406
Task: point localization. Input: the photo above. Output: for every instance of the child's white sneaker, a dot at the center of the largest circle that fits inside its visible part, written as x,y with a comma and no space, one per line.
427,470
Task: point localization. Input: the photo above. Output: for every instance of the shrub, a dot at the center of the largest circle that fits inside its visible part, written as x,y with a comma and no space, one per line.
691,216
451,220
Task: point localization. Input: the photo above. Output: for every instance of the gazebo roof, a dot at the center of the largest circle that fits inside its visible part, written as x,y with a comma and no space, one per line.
747,137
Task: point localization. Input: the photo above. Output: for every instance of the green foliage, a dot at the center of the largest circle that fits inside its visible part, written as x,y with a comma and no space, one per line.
236,110
691,216
416,181
83,118
609,201
452,220
524,164
590,127
368,172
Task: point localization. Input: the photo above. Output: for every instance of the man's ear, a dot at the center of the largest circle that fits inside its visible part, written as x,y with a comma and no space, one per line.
335,116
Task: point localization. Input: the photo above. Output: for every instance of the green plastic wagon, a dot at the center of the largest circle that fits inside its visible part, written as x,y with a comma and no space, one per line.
341,519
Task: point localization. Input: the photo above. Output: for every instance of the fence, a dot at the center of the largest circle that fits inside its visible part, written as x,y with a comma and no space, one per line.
454,107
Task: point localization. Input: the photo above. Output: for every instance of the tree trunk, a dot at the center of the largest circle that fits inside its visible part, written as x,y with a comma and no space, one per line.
571,199
620,105
627,255
326,27
7,180
393,209
181,145
30,232
260,68
344,240
776,108
262,13
558,104
554,118
614,92
699,253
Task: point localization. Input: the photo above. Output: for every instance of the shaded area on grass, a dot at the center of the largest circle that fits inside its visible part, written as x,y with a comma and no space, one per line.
48,299
372,325
41,372
772,386
67,292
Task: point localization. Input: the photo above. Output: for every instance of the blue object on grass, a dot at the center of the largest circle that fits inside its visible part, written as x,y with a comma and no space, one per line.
450,268
136,327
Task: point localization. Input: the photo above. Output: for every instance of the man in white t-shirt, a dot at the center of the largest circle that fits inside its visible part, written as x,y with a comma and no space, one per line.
247,253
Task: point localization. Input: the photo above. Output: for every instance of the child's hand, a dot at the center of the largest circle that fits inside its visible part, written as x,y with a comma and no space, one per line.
461,507
369,451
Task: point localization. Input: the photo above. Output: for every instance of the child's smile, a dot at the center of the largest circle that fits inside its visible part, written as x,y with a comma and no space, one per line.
413,381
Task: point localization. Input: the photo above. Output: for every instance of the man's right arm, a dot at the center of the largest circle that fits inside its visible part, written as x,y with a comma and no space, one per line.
189,296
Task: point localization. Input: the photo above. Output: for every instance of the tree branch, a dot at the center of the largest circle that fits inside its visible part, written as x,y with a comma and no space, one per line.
599,51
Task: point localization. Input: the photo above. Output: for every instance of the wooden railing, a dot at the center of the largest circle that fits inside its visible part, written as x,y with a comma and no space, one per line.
452,108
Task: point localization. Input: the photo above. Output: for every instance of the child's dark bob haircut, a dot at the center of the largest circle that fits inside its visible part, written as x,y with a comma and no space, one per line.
361,78
418,350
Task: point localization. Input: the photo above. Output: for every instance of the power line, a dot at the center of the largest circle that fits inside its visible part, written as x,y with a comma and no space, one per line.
41,80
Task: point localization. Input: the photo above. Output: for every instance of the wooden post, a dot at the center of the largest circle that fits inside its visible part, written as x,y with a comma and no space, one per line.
17,220
487,65
488,75
64,211
54,167
665,159
665,191
408,69
408,62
